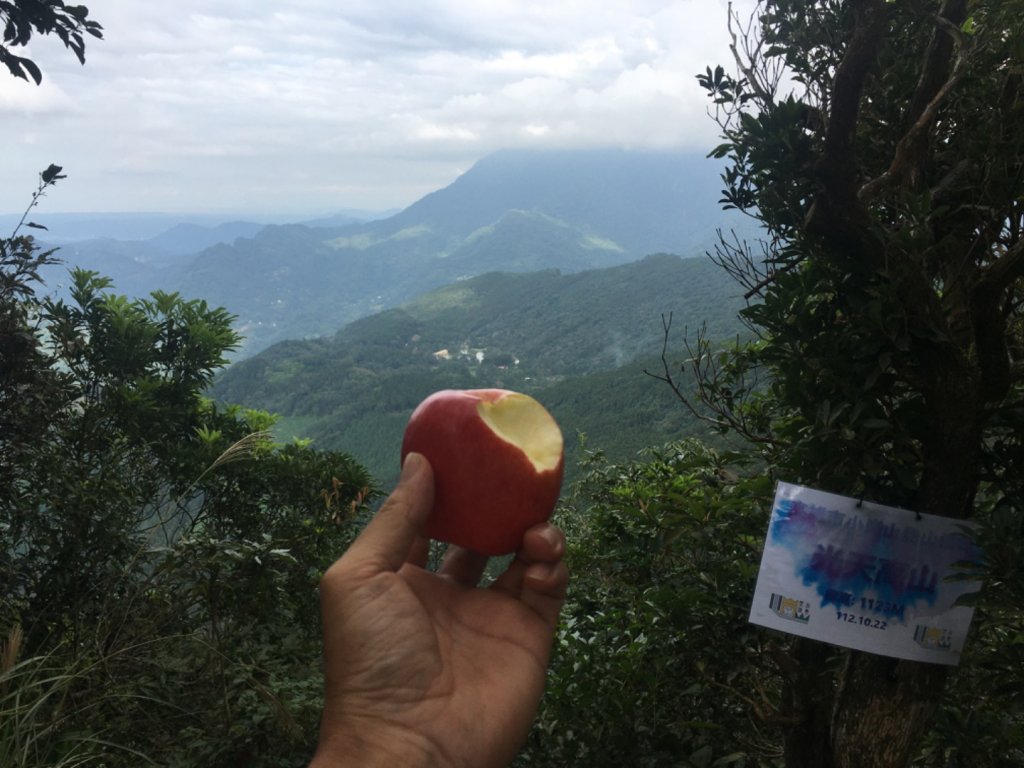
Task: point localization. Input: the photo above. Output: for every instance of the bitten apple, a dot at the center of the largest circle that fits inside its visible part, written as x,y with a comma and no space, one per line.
498,460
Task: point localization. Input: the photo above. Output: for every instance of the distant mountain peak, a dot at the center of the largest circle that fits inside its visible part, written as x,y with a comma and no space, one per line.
513,211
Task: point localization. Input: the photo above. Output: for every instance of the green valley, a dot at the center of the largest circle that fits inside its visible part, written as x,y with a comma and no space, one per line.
578,342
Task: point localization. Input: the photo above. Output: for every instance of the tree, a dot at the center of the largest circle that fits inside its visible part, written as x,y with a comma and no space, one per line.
23,18
654,662
881,146
159,554
24,376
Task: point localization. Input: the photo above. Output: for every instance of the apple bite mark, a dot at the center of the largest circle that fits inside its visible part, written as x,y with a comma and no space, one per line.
522,421
497,461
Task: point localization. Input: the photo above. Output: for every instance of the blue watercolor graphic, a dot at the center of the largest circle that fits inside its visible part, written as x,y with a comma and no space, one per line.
862,559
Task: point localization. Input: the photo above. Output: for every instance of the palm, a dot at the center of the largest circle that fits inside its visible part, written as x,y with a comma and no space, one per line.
431,654
440,651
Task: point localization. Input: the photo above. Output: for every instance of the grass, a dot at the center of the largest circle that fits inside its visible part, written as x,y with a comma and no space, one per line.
34,695
39,711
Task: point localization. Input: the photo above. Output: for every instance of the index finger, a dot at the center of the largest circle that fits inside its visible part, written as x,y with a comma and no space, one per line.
388,538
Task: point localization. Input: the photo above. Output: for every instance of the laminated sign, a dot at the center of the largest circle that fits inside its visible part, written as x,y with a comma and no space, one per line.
865,576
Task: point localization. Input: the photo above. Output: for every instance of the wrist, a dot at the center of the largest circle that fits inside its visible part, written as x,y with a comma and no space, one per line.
360,747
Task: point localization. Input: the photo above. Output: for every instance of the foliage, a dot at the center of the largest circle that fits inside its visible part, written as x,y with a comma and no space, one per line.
159,554
881,146
24,374
853,338
655,663
23,18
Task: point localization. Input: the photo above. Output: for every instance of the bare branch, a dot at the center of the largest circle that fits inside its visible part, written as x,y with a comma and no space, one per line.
771,278
736,259
749,61
668,378
722,393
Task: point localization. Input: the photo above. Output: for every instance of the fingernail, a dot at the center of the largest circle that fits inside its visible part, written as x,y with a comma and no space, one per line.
411,466
552,536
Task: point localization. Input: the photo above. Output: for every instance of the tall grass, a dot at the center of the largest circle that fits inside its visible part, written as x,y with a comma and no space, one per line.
33,699
39,712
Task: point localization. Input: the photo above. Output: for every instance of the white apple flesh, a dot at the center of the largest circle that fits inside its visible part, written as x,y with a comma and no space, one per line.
498,461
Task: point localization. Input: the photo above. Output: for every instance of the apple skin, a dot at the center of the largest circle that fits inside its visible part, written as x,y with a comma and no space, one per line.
487,491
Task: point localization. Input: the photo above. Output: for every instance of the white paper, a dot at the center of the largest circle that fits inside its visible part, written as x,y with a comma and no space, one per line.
864,576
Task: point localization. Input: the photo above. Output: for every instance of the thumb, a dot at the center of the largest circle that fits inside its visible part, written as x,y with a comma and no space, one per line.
544,590
387,539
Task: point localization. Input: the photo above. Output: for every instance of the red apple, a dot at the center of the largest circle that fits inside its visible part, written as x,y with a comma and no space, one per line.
497,458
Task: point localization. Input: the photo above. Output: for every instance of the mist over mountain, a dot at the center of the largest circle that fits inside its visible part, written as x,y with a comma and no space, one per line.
136,266
644,201
348,216
189,238
77,227
142,226
137,260
514,211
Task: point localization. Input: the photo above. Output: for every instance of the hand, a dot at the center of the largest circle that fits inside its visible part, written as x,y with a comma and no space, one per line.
427,668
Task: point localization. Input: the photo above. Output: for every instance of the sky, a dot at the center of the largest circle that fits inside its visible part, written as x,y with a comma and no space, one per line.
310,107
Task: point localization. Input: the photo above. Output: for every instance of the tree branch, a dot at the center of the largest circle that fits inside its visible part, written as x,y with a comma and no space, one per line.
933,86
722,392
839,162
666,376
836,213
762,90
936,67
1002,272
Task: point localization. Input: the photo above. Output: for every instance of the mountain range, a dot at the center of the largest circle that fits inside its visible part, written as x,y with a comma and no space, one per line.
513,211
545,272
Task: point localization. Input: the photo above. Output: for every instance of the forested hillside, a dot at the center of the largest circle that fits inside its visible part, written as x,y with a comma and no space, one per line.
514,211
571,340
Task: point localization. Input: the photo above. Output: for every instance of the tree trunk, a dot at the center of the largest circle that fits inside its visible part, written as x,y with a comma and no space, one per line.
808,698
883,708
871,713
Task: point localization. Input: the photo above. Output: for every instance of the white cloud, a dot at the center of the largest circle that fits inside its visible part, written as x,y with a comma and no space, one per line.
25,97
314,105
